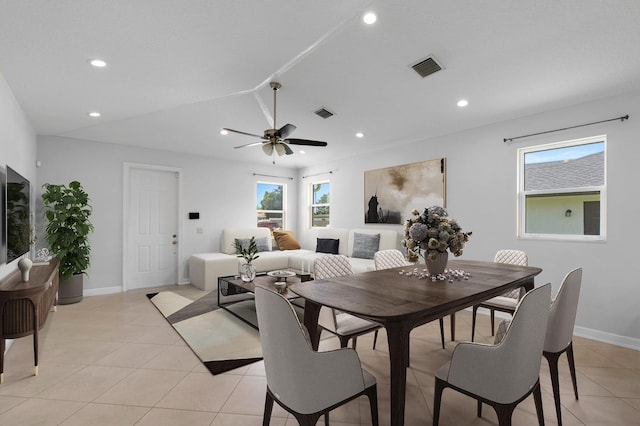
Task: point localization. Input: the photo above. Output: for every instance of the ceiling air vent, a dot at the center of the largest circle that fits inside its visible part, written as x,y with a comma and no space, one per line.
427,67
324,113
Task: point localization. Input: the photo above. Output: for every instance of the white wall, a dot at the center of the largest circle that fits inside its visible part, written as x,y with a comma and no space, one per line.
17,145
224,194
481,194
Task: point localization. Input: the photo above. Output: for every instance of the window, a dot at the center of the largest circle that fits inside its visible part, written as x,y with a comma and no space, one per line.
562,190
270,205
320,204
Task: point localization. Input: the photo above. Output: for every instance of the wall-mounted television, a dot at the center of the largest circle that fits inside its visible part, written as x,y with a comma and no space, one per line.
18,214
3,215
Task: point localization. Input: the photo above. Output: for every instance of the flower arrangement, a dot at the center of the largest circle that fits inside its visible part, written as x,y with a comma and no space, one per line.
432,232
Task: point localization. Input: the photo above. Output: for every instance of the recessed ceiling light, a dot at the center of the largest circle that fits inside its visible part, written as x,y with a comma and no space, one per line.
369,18
463,103
224,132
359,135
98,63
94,114
302,152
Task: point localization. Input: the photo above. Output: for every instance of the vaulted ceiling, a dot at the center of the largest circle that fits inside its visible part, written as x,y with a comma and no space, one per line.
180,70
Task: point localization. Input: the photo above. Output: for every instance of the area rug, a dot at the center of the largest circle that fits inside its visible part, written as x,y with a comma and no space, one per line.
221,341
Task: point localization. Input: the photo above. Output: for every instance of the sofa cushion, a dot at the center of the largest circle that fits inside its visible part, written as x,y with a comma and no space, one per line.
365,245
286,240
270,261
327,245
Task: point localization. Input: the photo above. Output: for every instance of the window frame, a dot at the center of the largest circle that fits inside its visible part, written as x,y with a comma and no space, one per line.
312,205
522,193
284,204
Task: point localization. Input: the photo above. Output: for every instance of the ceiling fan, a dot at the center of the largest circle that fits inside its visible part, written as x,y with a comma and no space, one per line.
276,140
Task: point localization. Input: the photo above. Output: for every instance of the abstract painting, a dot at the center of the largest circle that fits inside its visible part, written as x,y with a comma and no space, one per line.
390,194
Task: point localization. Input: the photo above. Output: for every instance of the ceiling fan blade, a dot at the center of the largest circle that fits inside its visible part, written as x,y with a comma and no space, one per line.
305,142
243,133
248,144
287,149
285,130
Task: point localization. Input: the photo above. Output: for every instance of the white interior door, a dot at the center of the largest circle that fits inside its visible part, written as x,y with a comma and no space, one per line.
152,228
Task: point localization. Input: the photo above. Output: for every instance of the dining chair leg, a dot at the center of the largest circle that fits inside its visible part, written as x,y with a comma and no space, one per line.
505,413
552,359
572,368
372,394
442,331
537,397
268,408
355,342
375,339
437,399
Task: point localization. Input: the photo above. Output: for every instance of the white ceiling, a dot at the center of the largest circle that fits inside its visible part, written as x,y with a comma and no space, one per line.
180,70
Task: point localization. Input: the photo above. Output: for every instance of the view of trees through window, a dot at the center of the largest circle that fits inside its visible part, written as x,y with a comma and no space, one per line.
320,204
562,189
270,205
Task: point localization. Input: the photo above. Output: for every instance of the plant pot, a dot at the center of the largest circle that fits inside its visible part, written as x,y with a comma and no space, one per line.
438,265
247,272
70,291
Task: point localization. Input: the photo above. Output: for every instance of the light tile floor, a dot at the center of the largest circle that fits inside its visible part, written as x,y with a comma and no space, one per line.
114,360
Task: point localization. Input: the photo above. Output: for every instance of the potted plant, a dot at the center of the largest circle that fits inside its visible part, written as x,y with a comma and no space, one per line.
67,212
249,252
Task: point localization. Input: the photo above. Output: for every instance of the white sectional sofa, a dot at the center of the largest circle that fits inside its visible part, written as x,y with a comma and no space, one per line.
205,268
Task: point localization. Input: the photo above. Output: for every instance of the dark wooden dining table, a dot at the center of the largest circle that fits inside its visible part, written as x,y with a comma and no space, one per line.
402,302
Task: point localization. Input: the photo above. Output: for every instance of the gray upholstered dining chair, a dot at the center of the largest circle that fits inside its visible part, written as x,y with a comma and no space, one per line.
393,258
562,318
504,374
345,326
306,383
508,301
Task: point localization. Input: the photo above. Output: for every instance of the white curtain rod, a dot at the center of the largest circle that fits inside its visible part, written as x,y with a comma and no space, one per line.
318,174
280,177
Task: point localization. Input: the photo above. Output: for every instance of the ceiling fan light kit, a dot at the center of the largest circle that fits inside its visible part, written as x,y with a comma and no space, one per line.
275,140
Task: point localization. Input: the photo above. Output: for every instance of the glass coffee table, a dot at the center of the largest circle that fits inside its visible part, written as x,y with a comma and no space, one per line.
243,308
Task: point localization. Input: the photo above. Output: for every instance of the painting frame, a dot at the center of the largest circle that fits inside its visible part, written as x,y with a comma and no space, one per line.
391,193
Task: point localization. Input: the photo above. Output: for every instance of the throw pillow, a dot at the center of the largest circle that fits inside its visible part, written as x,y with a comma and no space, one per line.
365,245
261,243
286,240
243,242
327,245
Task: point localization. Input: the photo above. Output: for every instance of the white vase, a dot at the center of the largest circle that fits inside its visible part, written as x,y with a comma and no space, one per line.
437,265
25,265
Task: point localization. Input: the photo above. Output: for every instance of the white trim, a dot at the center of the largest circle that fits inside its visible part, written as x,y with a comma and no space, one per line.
126,171
101,291
587,333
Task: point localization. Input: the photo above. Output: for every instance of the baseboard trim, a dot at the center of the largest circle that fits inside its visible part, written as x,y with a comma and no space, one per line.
587,333
102,291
